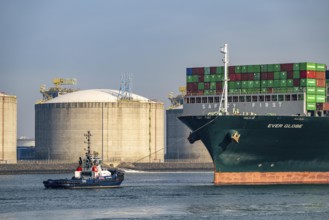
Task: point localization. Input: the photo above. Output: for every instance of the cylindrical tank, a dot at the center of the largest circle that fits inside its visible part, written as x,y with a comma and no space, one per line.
8,128
178,147
122,130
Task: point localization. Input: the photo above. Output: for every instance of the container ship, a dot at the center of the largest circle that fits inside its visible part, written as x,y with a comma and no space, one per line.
261,124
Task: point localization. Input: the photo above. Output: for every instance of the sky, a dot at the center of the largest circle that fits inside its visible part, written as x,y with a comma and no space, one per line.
96,41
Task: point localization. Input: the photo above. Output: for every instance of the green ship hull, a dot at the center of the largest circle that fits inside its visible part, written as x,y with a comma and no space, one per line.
264,144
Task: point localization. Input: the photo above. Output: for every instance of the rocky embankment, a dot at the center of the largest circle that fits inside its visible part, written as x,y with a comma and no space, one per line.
32,168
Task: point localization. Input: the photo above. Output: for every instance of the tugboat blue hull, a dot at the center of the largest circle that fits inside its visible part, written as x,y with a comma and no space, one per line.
83,183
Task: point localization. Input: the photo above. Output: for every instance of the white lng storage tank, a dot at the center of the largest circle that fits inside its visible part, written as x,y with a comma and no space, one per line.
122,130
8,128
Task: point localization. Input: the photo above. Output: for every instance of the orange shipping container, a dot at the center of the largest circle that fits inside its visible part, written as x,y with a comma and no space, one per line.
321,75
321,83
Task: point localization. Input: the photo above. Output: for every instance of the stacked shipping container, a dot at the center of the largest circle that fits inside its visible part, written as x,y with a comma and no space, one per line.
266,78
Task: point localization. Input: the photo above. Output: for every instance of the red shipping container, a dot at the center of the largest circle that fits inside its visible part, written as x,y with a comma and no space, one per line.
244,77
323,106
269,90
287,67
231,69
263,76
321,83
206,85
213,70
307,74
320,75
270,76
290,75
232,77
219,85
201,78
296,82
238,77
250,76
198,71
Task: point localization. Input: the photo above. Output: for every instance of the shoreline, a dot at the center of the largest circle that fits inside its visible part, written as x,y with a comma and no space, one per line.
29,168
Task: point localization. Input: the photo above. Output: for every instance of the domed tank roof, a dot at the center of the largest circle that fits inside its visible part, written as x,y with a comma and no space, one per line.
94,95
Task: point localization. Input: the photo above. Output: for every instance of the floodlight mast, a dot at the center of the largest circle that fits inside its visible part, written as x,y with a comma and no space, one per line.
224,50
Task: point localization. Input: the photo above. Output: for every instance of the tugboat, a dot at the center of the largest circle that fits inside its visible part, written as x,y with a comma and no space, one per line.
89,174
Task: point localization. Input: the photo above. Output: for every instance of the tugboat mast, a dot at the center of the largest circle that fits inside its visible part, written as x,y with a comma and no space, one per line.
88,135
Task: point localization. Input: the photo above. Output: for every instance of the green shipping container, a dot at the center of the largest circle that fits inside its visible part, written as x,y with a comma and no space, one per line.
219,77
270,68
237,69
290,83
243,91
311,98
231,85
320,91
296,74
238,84
296,89
320,98
192,78
257,84
244,69
207,70
283,83
296,66
250,84
320,67
310,91
256,76
277,67
257,68
307,83
213,78
244,85
277,75
276,83
263,90
307,66
213,86
270,83
263,68
250,68
283,75
219,69
310,106
201,86
263,84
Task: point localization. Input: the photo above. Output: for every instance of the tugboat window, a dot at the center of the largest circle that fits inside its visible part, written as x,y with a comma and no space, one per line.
229,99
261,98
248,98
211,99
198,100
217,99
241,98
254,98
204,99
192,100
235,99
